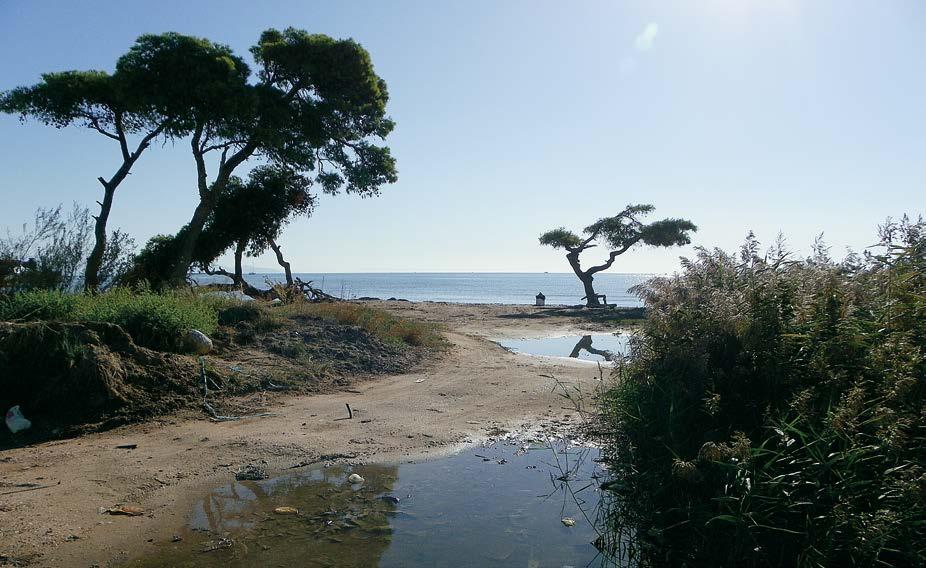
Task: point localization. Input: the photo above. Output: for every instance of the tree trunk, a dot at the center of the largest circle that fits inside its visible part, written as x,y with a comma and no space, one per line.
239,252
188,241
207,196
95,260
591,298
282,261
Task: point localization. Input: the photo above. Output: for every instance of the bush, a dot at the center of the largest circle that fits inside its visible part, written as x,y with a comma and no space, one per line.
39,305
52,253
771,412
157,320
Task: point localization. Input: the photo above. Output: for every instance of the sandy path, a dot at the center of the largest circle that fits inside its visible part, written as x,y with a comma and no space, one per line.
473,388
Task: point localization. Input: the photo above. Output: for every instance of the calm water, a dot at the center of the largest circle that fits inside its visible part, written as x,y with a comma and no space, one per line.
596,347
468,288
501,505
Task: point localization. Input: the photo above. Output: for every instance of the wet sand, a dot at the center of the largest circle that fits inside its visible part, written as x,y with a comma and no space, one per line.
471,391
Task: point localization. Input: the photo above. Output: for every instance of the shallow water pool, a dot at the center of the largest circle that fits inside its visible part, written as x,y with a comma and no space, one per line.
499,505
594,347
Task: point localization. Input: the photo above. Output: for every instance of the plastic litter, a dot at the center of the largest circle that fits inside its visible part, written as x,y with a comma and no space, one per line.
15,420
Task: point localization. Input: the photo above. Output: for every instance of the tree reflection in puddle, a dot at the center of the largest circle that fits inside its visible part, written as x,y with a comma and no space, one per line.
585,344
607,346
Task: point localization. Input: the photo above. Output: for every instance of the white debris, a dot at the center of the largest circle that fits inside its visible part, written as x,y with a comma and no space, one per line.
231,295
15,420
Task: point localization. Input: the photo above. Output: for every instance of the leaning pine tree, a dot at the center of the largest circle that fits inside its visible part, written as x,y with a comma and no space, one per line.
125,106
619,233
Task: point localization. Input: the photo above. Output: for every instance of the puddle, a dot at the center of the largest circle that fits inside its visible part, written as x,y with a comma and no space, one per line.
500,505
596,347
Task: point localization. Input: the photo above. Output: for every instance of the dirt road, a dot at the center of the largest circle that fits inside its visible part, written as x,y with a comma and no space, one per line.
469,392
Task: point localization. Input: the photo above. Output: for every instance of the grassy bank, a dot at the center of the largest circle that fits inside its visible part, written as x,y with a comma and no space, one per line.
157,320
772,411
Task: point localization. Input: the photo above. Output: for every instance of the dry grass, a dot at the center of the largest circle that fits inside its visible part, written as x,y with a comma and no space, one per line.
379,322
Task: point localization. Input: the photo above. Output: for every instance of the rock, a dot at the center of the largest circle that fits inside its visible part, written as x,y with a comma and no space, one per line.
15,420
251,472
198,342
568,521
286,511
354,478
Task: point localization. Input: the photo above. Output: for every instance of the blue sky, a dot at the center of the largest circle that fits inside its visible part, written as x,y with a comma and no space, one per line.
516,117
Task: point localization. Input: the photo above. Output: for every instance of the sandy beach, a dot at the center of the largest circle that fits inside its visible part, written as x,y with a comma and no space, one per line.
473,390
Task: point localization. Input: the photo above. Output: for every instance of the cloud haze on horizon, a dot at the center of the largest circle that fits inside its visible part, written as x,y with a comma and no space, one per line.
518,117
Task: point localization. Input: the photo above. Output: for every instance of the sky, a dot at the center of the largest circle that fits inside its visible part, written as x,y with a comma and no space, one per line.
513,118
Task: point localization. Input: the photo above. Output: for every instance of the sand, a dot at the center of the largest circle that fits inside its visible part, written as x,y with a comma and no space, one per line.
469,392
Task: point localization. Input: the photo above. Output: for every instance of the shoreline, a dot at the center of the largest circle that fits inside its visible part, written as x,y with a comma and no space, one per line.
440,407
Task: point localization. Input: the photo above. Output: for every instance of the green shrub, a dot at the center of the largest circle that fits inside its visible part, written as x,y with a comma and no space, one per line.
157,320
771,412
39,305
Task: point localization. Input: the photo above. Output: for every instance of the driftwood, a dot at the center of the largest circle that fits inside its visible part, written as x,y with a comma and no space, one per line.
312,293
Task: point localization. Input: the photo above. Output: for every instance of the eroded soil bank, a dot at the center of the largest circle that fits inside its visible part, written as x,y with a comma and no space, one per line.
472,390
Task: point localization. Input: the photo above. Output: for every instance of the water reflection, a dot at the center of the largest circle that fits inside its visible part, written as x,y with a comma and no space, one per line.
607,346
585,344
337,524
501,505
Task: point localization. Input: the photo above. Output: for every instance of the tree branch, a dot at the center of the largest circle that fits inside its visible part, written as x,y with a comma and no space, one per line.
614,254
95,124
123,144
201,176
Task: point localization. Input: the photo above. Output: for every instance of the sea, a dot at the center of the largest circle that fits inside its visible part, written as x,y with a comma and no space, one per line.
460,287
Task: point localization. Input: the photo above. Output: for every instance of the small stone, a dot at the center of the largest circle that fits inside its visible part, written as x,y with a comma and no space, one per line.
354,478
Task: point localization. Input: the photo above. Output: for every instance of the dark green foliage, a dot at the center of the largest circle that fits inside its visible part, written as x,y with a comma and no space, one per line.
155,320
316,108
153,264
254,213
771,412
161,88
184,79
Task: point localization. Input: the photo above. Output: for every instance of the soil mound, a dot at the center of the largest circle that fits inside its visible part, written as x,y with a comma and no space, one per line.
62,374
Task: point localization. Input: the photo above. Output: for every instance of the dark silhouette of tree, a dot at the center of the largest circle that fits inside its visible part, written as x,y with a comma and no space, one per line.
619,233
315,107
127,106
585,344
249,217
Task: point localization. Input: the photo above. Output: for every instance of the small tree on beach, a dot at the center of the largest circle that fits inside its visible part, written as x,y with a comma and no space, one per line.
619,233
